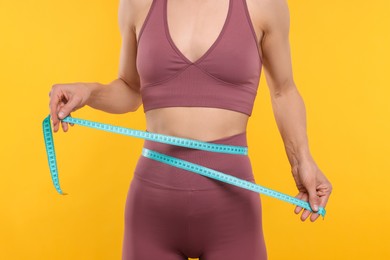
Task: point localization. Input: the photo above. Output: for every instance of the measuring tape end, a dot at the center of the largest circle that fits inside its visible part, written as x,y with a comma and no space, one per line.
322,212
62,193
58,189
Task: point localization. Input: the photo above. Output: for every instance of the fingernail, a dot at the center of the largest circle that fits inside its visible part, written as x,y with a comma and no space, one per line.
315,208
61,115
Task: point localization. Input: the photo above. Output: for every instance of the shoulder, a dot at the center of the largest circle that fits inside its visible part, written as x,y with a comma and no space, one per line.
130,11
270,14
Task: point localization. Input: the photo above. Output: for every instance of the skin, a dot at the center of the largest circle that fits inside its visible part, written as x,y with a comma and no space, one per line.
204,19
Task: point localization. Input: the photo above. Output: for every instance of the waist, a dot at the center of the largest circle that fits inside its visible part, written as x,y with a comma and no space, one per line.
200,123
167,176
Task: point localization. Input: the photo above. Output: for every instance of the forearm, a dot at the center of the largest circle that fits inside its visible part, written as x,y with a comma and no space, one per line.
116,97
290,115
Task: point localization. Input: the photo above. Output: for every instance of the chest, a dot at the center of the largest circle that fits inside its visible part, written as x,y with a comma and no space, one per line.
218,36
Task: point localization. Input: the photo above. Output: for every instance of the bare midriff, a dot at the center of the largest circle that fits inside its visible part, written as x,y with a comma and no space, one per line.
200,123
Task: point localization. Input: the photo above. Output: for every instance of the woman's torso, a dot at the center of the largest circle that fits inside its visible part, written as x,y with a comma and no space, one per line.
194,26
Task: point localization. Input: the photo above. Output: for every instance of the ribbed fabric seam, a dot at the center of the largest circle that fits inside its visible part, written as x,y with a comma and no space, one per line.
146,21
249,20
222,81
169,78
189,204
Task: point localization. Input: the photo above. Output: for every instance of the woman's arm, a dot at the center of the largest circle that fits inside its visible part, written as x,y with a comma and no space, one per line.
122,94
289,108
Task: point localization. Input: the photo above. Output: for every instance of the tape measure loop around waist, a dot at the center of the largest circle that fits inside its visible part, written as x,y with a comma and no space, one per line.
173,161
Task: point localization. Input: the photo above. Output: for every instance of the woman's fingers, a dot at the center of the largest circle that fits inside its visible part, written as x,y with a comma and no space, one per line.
68,107
64,125
64,99
313,198
305,213
314,189
314,217
60,107
297,208
302,196
323,192
322,202
53,105
322,199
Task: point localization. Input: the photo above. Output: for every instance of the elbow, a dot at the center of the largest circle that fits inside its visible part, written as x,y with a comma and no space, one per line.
135,107
283,88
133,97
131,104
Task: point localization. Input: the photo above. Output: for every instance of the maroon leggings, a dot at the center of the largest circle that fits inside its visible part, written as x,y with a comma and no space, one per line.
173,214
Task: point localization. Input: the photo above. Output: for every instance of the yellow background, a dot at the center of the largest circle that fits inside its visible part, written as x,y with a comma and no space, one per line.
341,62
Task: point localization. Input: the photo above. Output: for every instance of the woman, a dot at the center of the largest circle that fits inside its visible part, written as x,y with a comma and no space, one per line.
195,66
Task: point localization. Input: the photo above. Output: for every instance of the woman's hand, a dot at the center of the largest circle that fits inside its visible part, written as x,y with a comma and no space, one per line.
66,98
313,186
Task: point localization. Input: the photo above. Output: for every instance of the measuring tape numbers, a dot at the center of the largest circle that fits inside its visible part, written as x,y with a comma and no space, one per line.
172,161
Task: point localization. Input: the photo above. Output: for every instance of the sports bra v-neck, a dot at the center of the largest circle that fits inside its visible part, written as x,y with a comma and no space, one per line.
225,76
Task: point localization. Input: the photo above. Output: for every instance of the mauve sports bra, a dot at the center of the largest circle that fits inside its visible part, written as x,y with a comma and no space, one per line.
225,76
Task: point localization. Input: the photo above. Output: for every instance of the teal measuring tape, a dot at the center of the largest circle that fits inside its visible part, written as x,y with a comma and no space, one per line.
173,161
